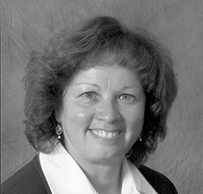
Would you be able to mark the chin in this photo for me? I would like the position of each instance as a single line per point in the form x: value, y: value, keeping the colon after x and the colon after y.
x: 106, y: 157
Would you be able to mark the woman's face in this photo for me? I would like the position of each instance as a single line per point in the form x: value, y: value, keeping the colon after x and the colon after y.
x: 102, y: 114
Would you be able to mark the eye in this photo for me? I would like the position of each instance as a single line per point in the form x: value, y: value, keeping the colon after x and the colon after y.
x: 89, y: 96
x: 127, y: 98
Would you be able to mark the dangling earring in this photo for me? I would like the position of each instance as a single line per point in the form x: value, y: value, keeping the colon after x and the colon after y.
x: 140, y: 139
x: 59, y: 131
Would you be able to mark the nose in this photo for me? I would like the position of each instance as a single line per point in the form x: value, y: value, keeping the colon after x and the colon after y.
x: 108, y: 112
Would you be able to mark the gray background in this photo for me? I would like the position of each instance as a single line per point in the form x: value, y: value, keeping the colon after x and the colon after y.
x: 28, y: 24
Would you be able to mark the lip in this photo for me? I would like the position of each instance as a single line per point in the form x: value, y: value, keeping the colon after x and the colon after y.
x: 105, y: 135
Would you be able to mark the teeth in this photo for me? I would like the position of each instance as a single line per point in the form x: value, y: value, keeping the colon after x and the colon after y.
x: 105, y: 134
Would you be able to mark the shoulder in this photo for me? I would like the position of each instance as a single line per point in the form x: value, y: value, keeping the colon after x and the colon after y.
x: 160, y: 182
x: 26, y: 180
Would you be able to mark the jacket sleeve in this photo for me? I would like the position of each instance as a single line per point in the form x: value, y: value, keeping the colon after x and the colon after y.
x: 159, y: 182
x: 25, y: 181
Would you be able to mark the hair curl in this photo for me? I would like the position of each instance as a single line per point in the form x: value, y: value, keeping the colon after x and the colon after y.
x: 48, y: 74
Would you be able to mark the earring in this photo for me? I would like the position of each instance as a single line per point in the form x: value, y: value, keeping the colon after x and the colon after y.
x: 140, y: 139
x: 59, y: 131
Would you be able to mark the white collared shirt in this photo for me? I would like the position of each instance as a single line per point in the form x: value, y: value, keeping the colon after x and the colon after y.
x: 64, y: 176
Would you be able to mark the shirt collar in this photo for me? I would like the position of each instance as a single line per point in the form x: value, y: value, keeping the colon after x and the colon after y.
x: 64, y: 175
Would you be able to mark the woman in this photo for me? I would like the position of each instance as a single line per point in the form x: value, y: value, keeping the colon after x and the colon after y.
x: 96, y: 105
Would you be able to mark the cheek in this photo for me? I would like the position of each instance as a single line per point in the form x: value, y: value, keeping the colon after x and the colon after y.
x: 135, y: 124
x: 135, y: 119
x: 78, y: 117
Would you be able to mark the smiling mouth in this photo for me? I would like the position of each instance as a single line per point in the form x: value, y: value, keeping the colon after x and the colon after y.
x: 105, y: 134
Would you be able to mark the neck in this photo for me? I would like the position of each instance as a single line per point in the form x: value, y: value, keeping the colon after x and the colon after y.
x: 105, y: 177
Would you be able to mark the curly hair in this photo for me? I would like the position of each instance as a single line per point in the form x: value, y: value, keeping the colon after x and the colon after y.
x: 48, y: 73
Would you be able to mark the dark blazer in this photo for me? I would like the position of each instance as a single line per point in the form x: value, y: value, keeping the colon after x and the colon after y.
x: 31, y: 180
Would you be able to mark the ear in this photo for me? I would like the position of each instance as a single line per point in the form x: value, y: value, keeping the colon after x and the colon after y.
x: 58, y: 116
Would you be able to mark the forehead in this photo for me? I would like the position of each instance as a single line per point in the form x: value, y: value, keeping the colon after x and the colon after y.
x: 107, y: 75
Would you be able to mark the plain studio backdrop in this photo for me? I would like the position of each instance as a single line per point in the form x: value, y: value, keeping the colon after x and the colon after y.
x: 28, y: 24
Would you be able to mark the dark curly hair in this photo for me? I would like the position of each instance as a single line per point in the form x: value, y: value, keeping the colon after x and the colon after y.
x: 48, y: 74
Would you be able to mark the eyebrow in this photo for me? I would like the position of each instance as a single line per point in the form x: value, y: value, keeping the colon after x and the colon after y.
x: 86, y: 83
x: 134, y: 86
x: 95, y: 85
